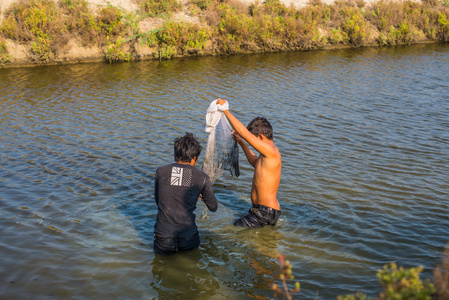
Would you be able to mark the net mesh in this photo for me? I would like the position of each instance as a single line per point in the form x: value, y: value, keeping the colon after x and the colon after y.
x: 222, y: 152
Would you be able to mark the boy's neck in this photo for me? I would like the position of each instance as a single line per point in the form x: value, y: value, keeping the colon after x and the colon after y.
x: 192, y: 162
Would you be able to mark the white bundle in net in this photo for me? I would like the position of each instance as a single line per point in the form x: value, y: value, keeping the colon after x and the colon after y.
x: 222, y: 152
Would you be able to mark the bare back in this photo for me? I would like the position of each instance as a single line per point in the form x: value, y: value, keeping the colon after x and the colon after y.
x: 266, y: 179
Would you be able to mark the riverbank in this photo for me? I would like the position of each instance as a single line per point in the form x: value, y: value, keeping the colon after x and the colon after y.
x: 37, y: 32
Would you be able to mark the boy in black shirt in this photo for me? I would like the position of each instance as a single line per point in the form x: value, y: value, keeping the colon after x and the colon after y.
x: 176, y: 191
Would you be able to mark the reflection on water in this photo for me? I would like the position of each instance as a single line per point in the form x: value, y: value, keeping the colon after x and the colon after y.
x: 365, y: 145
x: 180, y: 275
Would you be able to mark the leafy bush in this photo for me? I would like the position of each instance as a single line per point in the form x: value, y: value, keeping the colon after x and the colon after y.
x: 25, y: 20
x: 114, y: 52
x: 80, y: 21
x: 397, y: 283
x: 443, y: 32
x: 336, y: 36
x: 234, y: 28
x: 35, y: 21
x: 385, y: 13
x: 354, y: 26
x: 356, y: 296
x: 166, y: 52
x: 110, y: 21
x: 47, y: 27
x: 203, y: 4
x: 158, y: 7
x: 178, y: 37
x: 4, y: 56
x: 400, y: 283
x: 41, y: 47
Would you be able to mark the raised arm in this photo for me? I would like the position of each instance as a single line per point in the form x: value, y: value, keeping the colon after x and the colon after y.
x: 258, y: 143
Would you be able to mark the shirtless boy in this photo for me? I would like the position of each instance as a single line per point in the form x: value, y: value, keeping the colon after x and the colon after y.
x: 267, y: 169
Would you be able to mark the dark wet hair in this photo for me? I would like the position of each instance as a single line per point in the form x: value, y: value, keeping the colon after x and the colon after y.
x: 261, y: 125
x: 187, y: 147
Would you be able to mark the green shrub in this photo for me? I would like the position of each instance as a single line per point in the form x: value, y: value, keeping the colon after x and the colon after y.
x: 397, y: 283
x: 385, y: 13
x: 80, y: 21
x: 41, y: 47
x: 25, y: 21
x: 203, y: 4
x: 229, y: 44
x: 318, y: 13
x: 400, y: 283
x: 9, y: 27
x: 158, y: 7
x: 166, y: 52
x: 274, y: 8
x: 4, y: 56
x: 109, y: 21
x: 356, y: 296
x: 336, y: 36
x: 431, y: 18
x: 443, y: 31
x: 36, y: 21
x: 149, y: 38
x: 354, y: 26
x: 404, y: 33
x: 47, y: 27
x: 195, y: 38
x: 178, y: 37
x: 114, y: 52
x: 234, y: 28
x: 309, y: 20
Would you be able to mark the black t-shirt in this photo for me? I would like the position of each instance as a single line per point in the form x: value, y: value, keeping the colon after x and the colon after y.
x: 176, y: 191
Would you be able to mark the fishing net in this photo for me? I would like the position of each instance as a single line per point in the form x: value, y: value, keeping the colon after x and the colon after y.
x: 222, y: 152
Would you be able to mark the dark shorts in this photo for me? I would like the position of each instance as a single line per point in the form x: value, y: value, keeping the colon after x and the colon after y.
x: 180, y: 244
x: 259, y: 216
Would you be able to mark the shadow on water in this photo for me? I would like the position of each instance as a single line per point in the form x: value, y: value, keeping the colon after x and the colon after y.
x: 238, y: 265
x: 183, y: 275
x: 141, y: 211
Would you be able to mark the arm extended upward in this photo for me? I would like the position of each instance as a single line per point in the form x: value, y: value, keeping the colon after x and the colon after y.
x: 267, y: 166
x: 262, y: 147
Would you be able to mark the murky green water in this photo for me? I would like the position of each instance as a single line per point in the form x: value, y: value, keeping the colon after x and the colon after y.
x: 364, y: 136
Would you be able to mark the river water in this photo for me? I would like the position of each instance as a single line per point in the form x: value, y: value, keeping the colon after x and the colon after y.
x: 364, y: 136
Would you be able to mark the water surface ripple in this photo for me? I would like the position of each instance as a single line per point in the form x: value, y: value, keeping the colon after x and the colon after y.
x: 364, y: 136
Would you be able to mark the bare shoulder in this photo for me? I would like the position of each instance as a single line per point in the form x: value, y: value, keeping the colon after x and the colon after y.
x: 272, y: 158
x: 274, y: 152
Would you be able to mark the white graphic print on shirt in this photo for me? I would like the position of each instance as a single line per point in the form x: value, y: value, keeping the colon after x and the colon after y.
x: 180, y: 176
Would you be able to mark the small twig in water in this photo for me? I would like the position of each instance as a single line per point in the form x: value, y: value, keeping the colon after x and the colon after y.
x: 286, y: 269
